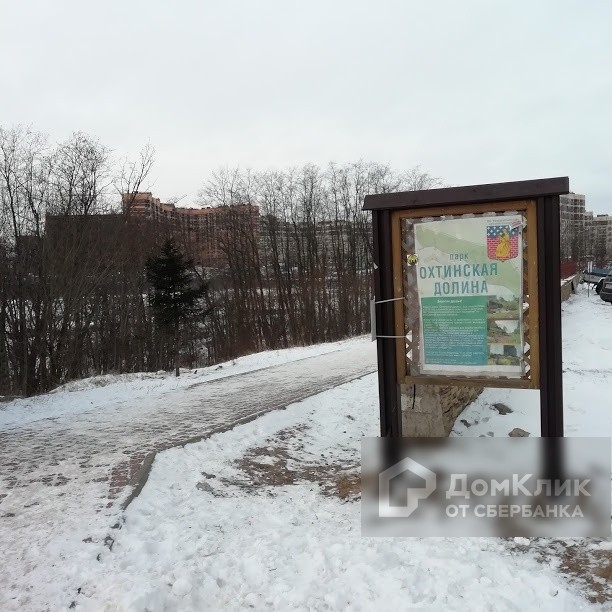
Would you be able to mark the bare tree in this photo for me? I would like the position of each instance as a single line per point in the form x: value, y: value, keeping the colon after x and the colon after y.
x: 295, y: 270
x: 81, y: 176
x: 309, y: 278
x: 133, y: 174
x: 22, y: 196
x: 71, y: 281
x: 417, y: 179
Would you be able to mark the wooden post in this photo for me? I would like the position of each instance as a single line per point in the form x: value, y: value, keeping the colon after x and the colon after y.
x: 390, y: 414
x: 551, y: 383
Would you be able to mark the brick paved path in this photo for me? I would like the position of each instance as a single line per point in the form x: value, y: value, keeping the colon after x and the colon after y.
x: 62, y: 480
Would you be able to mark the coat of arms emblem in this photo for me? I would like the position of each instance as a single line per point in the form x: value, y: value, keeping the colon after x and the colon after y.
x: 502, y: 241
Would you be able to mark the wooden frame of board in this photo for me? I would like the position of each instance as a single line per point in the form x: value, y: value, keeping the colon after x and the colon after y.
x: 538, y: 202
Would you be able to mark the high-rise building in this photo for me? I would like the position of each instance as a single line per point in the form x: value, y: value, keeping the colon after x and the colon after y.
x: 201, y: 230
x: 602, y: 239
x: 575, y: 227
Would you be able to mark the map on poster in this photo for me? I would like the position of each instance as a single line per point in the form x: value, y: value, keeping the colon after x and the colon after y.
x: 470, y: 285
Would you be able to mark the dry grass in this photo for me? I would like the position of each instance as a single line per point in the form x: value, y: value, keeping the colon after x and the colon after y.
x: 588, y: 569
x: 348, y: 486
x: 592, y: 570
x: 280, y: 463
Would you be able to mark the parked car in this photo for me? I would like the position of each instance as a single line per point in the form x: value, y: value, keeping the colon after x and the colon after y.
x: 595, y: 275
x: 606, y: 289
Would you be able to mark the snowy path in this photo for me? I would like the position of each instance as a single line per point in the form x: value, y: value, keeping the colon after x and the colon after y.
x: 63, y: 478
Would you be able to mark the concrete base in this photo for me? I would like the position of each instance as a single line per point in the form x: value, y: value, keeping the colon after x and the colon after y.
x: 430, y: 411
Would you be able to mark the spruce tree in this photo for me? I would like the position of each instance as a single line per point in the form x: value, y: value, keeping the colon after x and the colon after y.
x: 174, y: 295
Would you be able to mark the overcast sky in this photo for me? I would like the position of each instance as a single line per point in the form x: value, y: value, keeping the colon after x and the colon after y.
x: 474, y: 91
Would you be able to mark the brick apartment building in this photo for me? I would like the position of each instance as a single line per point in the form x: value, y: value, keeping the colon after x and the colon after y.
x: 201, y: 230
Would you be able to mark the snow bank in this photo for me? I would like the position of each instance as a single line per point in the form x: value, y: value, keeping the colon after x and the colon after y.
x: 99, y: 392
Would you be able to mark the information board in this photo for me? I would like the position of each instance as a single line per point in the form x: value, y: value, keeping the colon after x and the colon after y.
x: 470, y: 291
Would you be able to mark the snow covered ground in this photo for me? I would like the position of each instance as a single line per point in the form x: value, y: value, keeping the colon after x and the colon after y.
x: 266, y: 516
x: 587, y: 380
x: 203, y: 535
x: 68, y: 460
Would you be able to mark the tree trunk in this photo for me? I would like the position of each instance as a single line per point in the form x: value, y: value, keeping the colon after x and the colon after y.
x: 177, y: 370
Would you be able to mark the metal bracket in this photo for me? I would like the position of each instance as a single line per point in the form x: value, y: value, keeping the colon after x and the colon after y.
x: 373, y: 303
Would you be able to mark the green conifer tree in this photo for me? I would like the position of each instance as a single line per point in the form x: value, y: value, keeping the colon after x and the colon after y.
x: 175, y: 295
